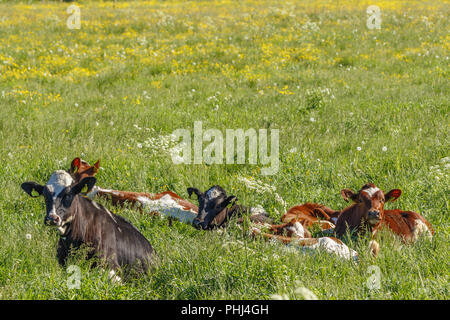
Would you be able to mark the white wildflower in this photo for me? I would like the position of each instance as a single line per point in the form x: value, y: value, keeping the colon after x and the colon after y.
x: 261, y: 187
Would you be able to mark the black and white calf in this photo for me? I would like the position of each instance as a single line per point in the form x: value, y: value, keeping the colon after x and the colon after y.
x: 83, y: 221
x: 215, y: 209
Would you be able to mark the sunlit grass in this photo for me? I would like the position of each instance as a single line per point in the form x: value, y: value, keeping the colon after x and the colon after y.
x: 352, y: 105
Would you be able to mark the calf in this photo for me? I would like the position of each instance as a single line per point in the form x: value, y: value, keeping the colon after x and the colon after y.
x: 408, y: 225
x: 328, y: 244
x: 368, y: 210
x: 298, y: 219
x: 366, y: 213
x: 167, y: 203
x: 80, y: 169
x: 216, y: 208
x: 294, y: 230
x: 310, y: 214
x: 81, y: 221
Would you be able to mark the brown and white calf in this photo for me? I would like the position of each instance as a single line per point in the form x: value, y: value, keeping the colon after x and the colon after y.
x: 81, y: 221
x: 330, y: 245
x: 166, y: 203
x: 310, y: 214
x: 294, y: 230
x: 368, y: 211
x: 298, y: 219
x: 409, y: 225
x: 80, y: 169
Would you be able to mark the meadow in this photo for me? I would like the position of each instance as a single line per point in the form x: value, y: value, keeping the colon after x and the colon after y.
x: 352, y: 105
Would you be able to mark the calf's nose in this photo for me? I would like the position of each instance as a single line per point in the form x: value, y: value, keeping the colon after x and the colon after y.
x: 374, y: 214
x: 52, y: 220
x: 196, y: 223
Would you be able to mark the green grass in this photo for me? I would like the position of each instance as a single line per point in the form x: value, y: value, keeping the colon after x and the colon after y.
x: 249, y: 56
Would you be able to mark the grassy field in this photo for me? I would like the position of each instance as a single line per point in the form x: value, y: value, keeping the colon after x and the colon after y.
x: 352, y: 104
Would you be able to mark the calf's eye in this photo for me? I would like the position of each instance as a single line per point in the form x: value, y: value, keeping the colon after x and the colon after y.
x: 67, y: 200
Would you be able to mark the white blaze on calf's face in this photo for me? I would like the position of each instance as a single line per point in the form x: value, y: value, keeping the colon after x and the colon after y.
x: 58, y: 182
x: 212, y: 193
x: 371, y: 191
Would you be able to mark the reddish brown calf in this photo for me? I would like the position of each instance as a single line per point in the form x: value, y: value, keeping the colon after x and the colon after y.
x: 408, y: 225
x: 307, y: 215
x: 368, y: 210
x: 310, y: 214
x: 80, y: 169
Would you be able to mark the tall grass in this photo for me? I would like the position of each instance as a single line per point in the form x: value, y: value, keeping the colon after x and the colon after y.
x: 352, y: 105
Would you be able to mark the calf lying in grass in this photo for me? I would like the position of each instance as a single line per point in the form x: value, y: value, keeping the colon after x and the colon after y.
x: 298, y: 219
x: 81, y: 221
x: 368, y: 210
x: 367, y: 213
x: 409, y: 225
x: 167, y: 203
x: 216, y: 209
x: 312, y: 214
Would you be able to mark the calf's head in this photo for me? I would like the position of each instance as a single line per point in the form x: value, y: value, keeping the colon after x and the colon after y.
x: 370, y: 201
x: 80, y: 169
x: 210, y: 204
x: 59, y: 193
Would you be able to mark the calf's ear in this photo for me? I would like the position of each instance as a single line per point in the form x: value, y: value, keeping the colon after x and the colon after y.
x: 229, y: 201
x: 194, y: 190
x: 33, y: 189
x: 392, y: 195
x: 75, y: 165
x: 83, y: 186
x: 349, y: 194
x: 96, y: 166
